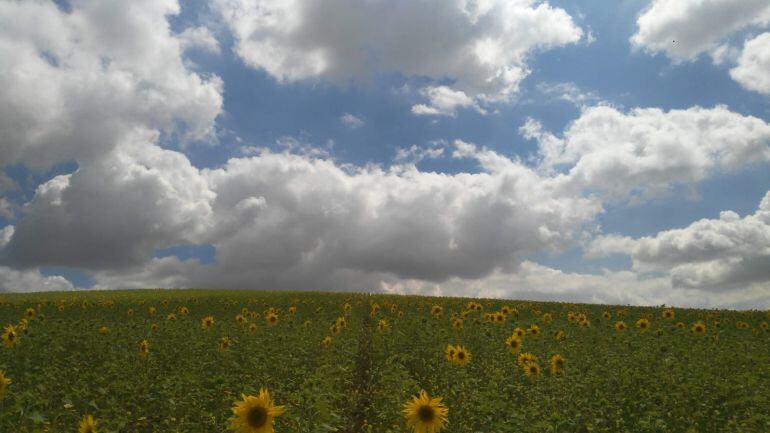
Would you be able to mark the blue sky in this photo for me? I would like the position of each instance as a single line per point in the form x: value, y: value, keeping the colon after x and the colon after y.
x: 598, y: 54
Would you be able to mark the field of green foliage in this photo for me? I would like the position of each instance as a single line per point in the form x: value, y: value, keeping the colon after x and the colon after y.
x: 150, y: 361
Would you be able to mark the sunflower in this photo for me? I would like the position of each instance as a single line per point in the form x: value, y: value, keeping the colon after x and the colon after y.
x: 513, y: 343
x: 620, y: 326
x: 698, y: 327
x: 10, y: 336
x: 532, y: 370
x: 519, y: 332
x: 437, y: 311
x: 334, y: 329
x: 668, y: 314
x: 526, y: 358
x: 253, y: 328
x: 347, y: 308
x: 171, y: 317
x: 154, y: 327
x: 244, y: 310
x: 255, y: 414
x: 341, y: 322
x: 240, y: 319
x: 557, y: 365
x: 87, y: 425
x: 400, y: 314
x: 292, y: 310
x: 450, y: 352
x: 571, y: 316
x: 763, y: 325
x: 307, y: 323
x: 643, y: 324
x: 207, y: 322
x: 271, y: 318
x: 382, y: 325
x: 4, y: 382
x: 104, y: 330
x: 534, y: 330
x: 457, y: 323
x: 30, y: 313
x: 22, y: 324
x: 505, y: 310
x: 559, y: 335
x: 680, y: 325
x: 184, y: 311
x: 327, y: 341
x: 130, y: 312
x: 462, y: 356
x: 224, y: 343
x: 547, y: 317
x: 424, y: 414
x: 144, y: 349
x: 606, y: 315
x: 499, y: 317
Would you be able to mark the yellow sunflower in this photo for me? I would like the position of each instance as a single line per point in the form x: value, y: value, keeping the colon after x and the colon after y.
x: 207, y: 322
x: 698, y: 327
x: 620, y: 326
x: 104, y: 330
x: 519, y: 332
x: 534, y: 330
x: 144, y: 349
x: 606, y: 315
x: 763, y: 325
x: 10, y: 336
x: 426, y: 415
x: 224, y: 343
x: 292, y: 310
x: 30, y: 313
x: 152, y: 311
x: 437, y: 310
x: 255, y: 414
x: 462, y: 355
x: 4, y: 382
x: 382, y: 325
x: 347, y: 308
x: 560, y: 336
x: 532, y: 370
x: 171, y: 317
x: 130, y: 312
x: 557, y: 365
x: 334, y: 329
x: 184, y: 311
x: 154, y: 327
x: 457, y: 323
x: 526, y: 358
x: 668, y: 314
x: 643, y: 324
x: 87, y: 425
x: 450, y: 352
x: 327, y: 341
x: 240, y: 319
x: 680, y: 325
x: 514, y: 344
x: 271, y: 318
x: 253, y: 328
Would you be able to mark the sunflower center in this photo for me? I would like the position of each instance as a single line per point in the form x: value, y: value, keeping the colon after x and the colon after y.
x: 426, y: 414
x: 257, y: 417
x: 11, y: 336
x: 461, y: 355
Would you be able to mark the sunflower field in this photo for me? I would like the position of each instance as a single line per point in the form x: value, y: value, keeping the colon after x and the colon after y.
x: 206, y: 361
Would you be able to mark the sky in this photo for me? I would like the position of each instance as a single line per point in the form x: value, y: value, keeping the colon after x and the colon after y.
x: 579, y: 151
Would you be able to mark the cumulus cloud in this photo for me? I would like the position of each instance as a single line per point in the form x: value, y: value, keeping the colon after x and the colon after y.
x: 481, y: 47
x: 709, y: 254
x: 683, y: 29
x: 292, y: 221
x: 12, y: 280
x: 74, y: 83
x: 199, y: 38
x: 753, y: 65
x: 646, y: 151
x: 351, y: 121
x: 443, y: 101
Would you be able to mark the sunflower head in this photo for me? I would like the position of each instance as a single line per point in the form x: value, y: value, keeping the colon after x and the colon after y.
x: 144, y: 348
x: 224, y: 343
x: 184, y: 311
x: 171, y: 317
x: 424, y: 414
x: 519, y: 332
x: 643, y: 324
x: 462, y: 355
x: 532, y: 370
x: 680, y: 325
x: 526, y: 358
x: 513, y: 343
x: 207, y: 322
x: 30, y: 313
x: 559, y: 336
x: 698, y: 327
x: 557, y: 365
x: 534, y: 330
x: 271, y: 318
x: 763, y: 325
x: 327, y: 341
x: 87, y: 425
x: 382, y: 325
x: 4, y: 382
x: 620, y: 326
x: 606, y: 315
x: 154, y: 327
x: 457, y: 323
x: 10, y: 336
x: 292, y: 310
x: 255, y: 414
x: 104, y: 330
x: 240, y: 319
x: 669, y: 314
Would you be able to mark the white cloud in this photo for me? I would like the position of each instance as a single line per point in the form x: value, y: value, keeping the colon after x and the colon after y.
x: 443, y: 101
x: 753, y: 66
x: 482, y: 47
x: 683, y: 29
x: 199, y: 38
x: 351, y: 121
x: 415, y: 153
x: 75, y: 83
x: 709, y: 254
x: 12, y: 280
x: 647, y: 151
